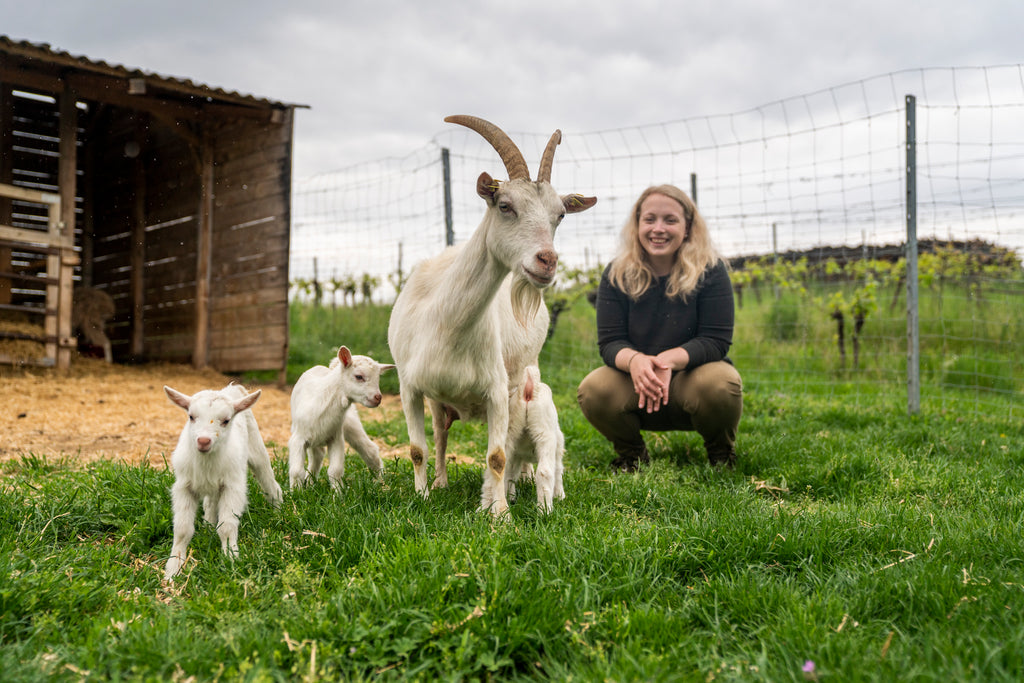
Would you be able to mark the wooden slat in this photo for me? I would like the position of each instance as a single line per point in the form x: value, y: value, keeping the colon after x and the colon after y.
x: 239, y: 359
x: 249, y: 148
x: 42, y: 361
x: 15, y: 192
x: 258, y: 238
x: 273, y: 206
x: 34, y: 248
x: 251, y: 192
x: 232, y: 320
x: 20, y: 235
x: 40, y: 279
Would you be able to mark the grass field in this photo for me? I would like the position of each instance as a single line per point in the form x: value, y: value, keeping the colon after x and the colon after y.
x: 851, y: 543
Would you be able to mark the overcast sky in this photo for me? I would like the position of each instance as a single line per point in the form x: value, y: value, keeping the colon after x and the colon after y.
x: 381, y: 75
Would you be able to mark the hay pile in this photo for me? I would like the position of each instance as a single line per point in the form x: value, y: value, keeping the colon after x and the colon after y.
x: 14, y: 347
x: 97, y: 411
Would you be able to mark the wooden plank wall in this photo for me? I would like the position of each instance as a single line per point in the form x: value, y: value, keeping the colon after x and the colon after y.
x: 162, y: 176
x: 252, y: 209
x: 140, y: 192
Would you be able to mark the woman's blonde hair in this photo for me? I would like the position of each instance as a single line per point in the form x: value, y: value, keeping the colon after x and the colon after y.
x: 631, y: 271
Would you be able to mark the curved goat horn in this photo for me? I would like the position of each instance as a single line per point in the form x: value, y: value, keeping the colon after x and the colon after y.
x: 510, y: 155
x: 548, y: 160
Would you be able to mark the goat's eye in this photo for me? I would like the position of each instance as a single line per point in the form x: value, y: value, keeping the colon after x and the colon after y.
x: 191, y: 418
x: 360, y: 378
x: 224, y: 423
x: 505, y: 207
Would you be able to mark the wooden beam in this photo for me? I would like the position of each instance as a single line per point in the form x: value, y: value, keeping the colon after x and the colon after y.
x: 11, y: 234
x: 28, y: 195
x: 137, y: 251
x: 114, y: 85
x: 204, y: 255
x: 66, y: 181
x: 86, y: 191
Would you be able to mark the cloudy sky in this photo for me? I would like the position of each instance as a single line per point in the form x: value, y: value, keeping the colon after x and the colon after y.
x: 380, y: 76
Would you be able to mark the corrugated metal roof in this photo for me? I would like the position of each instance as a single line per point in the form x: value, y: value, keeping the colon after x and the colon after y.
x: 47, y: 54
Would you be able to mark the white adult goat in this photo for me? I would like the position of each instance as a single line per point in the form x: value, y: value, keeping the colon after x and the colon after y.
x: 324, y: 417
x: 219, y: 442
x: 473, y: 316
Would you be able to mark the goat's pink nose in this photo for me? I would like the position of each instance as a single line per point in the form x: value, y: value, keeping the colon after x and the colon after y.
x: 547, y: 259
x: 203, y: 443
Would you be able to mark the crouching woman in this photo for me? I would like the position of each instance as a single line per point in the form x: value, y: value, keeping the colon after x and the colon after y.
x: 665, y: 318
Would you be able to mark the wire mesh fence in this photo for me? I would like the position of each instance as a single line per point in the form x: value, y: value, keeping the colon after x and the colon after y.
x: 807, y: 198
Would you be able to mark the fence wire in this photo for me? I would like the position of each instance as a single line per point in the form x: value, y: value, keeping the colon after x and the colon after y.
x: 820, y: 177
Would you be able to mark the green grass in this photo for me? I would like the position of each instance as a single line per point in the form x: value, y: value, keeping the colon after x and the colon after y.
x: 316, y: 333
x: 879, y: 546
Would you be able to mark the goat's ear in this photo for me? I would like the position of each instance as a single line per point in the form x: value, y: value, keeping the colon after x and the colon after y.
x: 345, y: 356
x: 178, y: 398
x: 247, y: 401
x: 575, y: 203
x: 386, y: 367
x: 486, y: 187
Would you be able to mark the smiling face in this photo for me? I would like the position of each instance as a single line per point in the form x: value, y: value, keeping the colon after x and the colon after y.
x: 661, y: 231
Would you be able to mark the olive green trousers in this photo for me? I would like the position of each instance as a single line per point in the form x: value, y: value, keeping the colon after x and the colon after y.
x: 707, y: 399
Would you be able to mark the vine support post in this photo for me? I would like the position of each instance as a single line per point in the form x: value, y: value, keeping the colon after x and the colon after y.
x: 913, y: 331
x: 446, y: 165
x: 775, y: 259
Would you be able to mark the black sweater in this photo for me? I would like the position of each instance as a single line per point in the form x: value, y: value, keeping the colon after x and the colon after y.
x: 702, y: 325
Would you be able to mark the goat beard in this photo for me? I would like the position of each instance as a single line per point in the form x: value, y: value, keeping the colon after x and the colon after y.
x: 526, y: 300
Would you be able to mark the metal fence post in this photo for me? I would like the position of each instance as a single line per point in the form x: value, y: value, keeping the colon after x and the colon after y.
x: 449, y: 231
x: 913, y: 332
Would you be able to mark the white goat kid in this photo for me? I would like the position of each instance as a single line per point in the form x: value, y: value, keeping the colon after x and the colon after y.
x: 323, y: 417
x: 534, y: 438
x: 219, y: 442
x: 472, y: 317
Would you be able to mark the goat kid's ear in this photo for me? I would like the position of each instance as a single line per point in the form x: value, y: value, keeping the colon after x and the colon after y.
x: 486, y: 187
x: 247, y: 401
x: 178, y: 398
x: 386, y: 367
x: 345, y: 356
x: 576, y: 203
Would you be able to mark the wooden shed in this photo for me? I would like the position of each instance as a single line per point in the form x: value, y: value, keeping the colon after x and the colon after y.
x: 172, y: 196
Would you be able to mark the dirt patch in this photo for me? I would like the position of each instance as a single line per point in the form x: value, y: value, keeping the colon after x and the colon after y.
x: 97, y: 411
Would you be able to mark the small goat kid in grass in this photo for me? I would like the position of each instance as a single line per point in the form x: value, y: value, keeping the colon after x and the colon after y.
x: 220, y: 441
x: 534, y: 438
x: 473, y: 317
x: 323, y: 417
